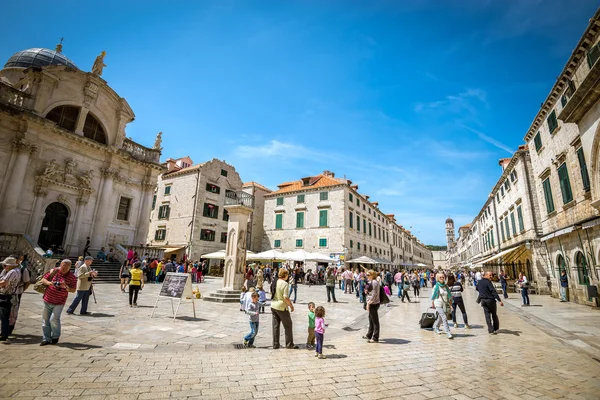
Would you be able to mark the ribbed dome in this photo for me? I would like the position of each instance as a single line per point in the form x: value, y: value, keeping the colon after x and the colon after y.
x: 449, y: 221
x: 38, y: 58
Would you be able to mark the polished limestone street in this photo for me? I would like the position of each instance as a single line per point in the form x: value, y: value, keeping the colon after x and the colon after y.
x: 549, y: 350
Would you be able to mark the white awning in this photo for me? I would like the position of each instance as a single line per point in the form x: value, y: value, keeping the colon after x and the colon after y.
x: 591, y: 224
x: 558, y: 233
x: 362, y: 260
x: 220, y: 255
x: 501, y: 254
x: 173, y: 249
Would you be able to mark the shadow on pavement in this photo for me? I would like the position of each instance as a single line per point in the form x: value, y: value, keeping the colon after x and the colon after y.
x: 394, y: 341
x: 78, y: 346
x: 463, y: 335
x: 24, y: 339
x: 185, y: 318
x: 509, y: 332
x: 96, y: 315
x: 476, y: 326
x: 336, y: 355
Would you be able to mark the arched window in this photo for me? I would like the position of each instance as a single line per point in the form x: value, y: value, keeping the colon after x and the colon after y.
x: 561, y: 265
x: 582, y: 271
x: 93, y: 130
x: 64, y: 116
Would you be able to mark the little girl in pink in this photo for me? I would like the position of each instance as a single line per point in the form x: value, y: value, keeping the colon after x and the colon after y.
x: 320, y: 330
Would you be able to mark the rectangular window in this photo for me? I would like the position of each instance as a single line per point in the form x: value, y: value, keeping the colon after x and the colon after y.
x: 322, y: 242
x: 298, y: 242
x: 492, y: 236
x: 502, y: 190
x: 277, y: 243
x: 300, y: 219
x: 358, y: 223
x: 213, y: 188
x: 369, y: 229
x: 160, y: 234
x: 322, y: 218
x: 552, y: 122
x: 223, y: 237
x: 512, y: 222
x: 502, y: 230
x: 593, y: 55
x: 164, y: 211
x: 583, y: 169
x: 357, y: 202
x: 350, y: 197
x: 299, y: 199
x: 507, y: 228
x: 279, y: 221
x: 225, y: 215
x: 324, y: 195
x: 537, y: 140
x: 520, y: 218
x: 548, y: 195
x: 210, y: 210
x: 358, y: 245
x: 223, y: 172
x: 207, y: 235
x: 167, y: 190
x: 153, y: 202
x: 351, y: 243
x: 563, y: 100
x: 364, y: 225
x: 351, y: 219
x: 280, y: 201
x: 565, y: 184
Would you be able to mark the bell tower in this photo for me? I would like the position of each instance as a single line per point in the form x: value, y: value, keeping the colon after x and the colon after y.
x: 450, y: 233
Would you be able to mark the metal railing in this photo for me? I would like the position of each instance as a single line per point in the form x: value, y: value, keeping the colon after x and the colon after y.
x: 239, y: 198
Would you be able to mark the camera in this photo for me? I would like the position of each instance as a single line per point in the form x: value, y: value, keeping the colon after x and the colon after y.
x: 57, y: 284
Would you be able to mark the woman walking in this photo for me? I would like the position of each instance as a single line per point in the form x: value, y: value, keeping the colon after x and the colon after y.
x: 330, y: 285
x: 135, y: 284
x: 279, y: 309
x: 441, y: 300
x: 416, y: 285
x: 373, y: 301
x: 524, y: 284
x: 405, y: 287
x: 456, y: 290
x: 124, y: 274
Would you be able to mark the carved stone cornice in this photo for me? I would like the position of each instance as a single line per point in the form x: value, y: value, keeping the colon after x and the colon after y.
x: 43, y: 181
x: 148, y: 186
x: 21, y: 145
x: 40, y: 191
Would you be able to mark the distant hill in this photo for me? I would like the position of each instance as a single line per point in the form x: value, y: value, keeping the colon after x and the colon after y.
x: 437, y: 248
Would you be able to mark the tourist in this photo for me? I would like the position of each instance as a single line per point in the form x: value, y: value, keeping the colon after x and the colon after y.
x: 124, y: 274
x: 260, y: 277
x: 389, y: 279
x: 477, y: 278
x: 262, y: 299
x: 405, y: 283
x: 279, y: 309
x: 111, y: 255
x: 159, y: 272
x: 294, y: 279
x: 330, y: 285
x: 503, y: 281
x: 10, y: 278
x: 416, y: 285
x: 398, y: 280
x: 524, y: 285
x: 362, y: 279
x: 101, y: 255
x: 310, y: 340
x: 388, y: 293
x: 441, y: 301
x: 59, y: 282
x: 267, y: 274
x: 488, y: 297
x: 564, y: 284
x: 348, y: 281
x: 86, y: 248
x: 248, y: 297
x: 320, y: 330
x: 252, y: 311
x: 243, y: 298
x: 373, y: 301
x: 85, y: 275
x: 456, y: 289
x: 136, y: 283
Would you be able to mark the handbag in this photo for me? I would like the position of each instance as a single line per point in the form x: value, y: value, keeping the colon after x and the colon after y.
x: 427, y: 319
x: 405, y: 286
x: 39, y: 286
x: 383, y: 299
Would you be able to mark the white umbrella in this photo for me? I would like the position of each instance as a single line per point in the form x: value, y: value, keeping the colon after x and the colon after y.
x: 220, y: 255
x: 320, y: 258
x: 269, y: 255
x: 362, y: 260
x: 298, y: 255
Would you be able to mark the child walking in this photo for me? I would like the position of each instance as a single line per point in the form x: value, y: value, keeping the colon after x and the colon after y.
x: 252, y: 311
x: 320, y: 330
x: 310, y: 341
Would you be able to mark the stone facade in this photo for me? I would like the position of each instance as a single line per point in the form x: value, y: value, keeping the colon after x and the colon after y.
x: 327, y: 215
x: 256, y: 231
x: 69, y: 170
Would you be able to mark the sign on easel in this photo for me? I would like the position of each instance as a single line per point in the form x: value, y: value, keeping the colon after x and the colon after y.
x: 176, y: 286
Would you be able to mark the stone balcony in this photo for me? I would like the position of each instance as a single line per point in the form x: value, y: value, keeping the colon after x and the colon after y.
x: 13, y: 97
x: 239, y: 198
x: 141, y: 153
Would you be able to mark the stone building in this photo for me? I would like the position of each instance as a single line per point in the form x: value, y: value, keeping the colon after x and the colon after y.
x: 327, y: 214
x: 69, y: 171
x: 256, y: 231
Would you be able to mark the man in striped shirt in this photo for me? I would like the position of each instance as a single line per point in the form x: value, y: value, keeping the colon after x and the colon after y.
x: 59, y: 282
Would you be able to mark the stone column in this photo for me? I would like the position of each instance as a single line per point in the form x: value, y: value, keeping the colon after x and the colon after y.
x: 23, y: 150
x: 104, y: 215
x: 235, y: 258
x: 143, y: 223
x: 37, y: 215
x: 82, y: 202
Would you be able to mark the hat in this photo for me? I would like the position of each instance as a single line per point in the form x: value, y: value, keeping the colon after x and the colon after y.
x: 10, y: 261
x: 88, y: 258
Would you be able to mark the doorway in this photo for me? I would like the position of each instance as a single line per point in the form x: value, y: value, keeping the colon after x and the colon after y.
x: 54, y: 226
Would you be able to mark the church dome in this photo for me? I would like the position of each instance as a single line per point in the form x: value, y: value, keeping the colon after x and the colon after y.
x: 38, y: 58
x: 449, y: 221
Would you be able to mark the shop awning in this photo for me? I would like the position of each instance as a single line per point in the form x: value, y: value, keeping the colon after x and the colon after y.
x: 362, y: 260
x: 173, y: 249
x: 591, y: 224
x: 558, y: 233
x: 501, y: 254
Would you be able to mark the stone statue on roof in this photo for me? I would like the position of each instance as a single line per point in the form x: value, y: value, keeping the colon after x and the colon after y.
x: 99, y: 64
x: 158, y: 142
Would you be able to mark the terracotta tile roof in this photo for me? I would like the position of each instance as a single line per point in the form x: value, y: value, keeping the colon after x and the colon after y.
x: 183, y: 170
x: 258, y: 185
x: 313, y: 182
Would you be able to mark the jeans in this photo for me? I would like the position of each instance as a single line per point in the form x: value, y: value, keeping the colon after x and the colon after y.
x: 282, y: 317
x: 361, y: 290
x: 458, y: 302
x: 348, y: 286
x: 373, y: 332
x: 5, y: 319
x: 399, y: 289
x: 82, y: 296
x: 51, y: 321
x: 525, y: 295
x: 319, y: 348
x: 504, y: 286
x: 133, y: 293
x: 491, y: 316
x: 442, y: 319
x: 253, y: 332
x: 422, y: 282
x: 343, y: 285
x: 563, y: 293
x: 416, y: 291
x: 331, y: 293
x: 293, y: 288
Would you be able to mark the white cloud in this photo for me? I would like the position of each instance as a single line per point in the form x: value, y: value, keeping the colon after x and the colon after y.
x: 276, y: 149
x: 455, y: 104
x: 490, y: 140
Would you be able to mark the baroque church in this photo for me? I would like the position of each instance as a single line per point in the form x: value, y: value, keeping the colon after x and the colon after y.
x: 69, y: 172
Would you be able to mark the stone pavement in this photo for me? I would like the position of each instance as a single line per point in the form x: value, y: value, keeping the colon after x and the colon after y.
x: 120, y: 353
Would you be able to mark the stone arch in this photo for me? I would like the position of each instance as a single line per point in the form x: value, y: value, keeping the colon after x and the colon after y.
x: 595, y: 166
x: 230, y: 242
x: 582, y: 266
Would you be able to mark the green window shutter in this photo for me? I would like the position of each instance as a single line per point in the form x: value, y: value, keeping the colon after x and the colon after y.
x: 157, y: 235
x: 324, y: 195
x: 507, y: 228
x: 552, y: 121
x: 300, y: 220
x: 350, y: 197
x: 364, y: 225
x: 548, y: 196
x: 299, y: 199
x: 520, y: 218
x: 168, y: 211
x: 593, y: 55
x: 280, y: 201
x: 537, y: 140
x: 322, y: 242
x: 153, y: 202
x: 351, y: 243
x: 370, y: 229
x: 322, y: 218
x: 279, y: 221
x: 351, y: 219
x: 358, y: 223
x: 585, y: 178
x: 565, y: 184
x: 298, y: 242
x: 277, y: 244
x: 502, y: 230
x: 492, y: 236
x: 167, y: 190
x: 512, y: 222
x: 358, y: 202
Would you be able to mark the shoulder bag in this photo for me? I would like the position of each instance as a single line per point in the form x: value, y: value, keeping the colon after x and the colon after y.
x: 39, y: 286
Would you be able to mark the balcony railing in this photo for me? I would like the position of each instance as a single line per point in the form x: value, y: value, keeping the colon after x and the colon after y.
x: 12, y: 96
x: 239, y: 199
x: 140, y: 152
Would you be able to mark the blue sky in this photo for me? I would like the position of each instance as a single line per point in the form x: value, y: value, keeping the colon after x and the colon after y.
x: 415, y: 101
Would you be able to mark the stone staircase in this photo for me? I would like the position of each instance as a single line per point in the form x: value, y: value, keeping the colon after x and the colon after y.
x: 223, y: 296
x: 108, y: 272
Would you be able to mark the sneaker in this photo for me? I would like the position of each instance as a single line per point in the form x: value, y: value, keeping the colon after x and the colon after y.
x: 69, y: 312
x: 366, y: 337
x: 294, y: 347
x: 3, y: 338
x: 85, y: 313
x: 467, y: 326
x: 322, y: 357
x: 44, y: 343
x: 492, y: 333
x: 245, y: 343
x: 317, y: 355
x: 436, y: 330
x: 251, y: 346
x: 450, y: 336
x: 135, y: 305
x: 54, y: 341
x: 373, y: 341
x: 455, y: 325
